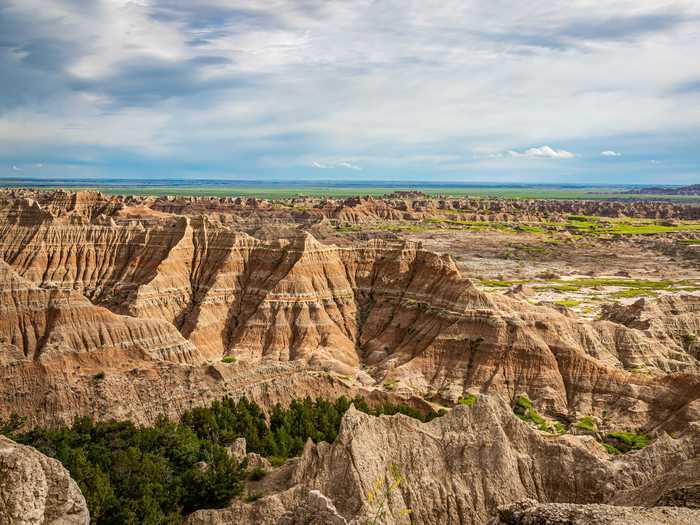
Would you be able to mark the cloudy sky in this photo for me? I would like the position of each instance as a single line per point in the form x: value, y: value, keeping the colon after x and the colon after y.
x: 499, y: 90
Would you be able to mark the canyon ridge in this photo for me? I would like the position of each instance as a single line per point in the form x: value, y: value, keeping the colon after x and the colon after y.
x: 554, y: 344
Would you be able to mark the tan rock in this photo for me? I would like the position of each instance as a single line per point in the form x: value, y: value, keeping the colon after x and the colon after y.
x: 530, y: 512
x: 456, y: 469
x: 36, y: 490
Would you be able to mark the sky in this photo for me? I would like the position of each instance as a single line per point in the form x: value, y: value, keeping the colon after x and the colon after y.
x: 568, y: 91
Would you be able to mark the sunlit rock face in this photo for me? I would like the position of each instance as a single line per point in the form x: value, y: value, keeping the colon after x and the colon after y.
x: 149, y: 302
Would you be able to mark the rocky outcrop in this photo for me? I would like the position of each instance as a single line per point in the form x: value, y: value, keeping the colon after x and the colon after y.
x: 118, y: 308
x: 455, y: 469
x: 37, y: 490
x: 252, y: 211
x: 43, y: 325
x: 673, y: 320
x: 384, y: 313
x: 530, y: 512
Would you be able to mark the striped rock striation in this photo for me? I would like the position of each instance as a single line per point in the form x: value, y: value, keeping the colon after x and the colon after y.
x: 163, y: 298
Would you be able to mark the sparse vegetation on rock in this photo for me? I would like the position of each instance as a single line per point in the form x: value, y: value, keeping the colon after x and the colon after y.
x: 526, y: 411
x: 160, y: 473
x: 626, y: 441
x: 586, y: 423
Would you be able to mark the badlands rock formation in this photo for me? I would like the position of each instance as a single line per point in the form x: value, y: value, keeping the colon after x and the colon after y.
x: 36, y: 490
x: 459, y: 469
x: 189, y: 290
x: 125, y: 307
x: 672, y: 319
x: 353, y: 210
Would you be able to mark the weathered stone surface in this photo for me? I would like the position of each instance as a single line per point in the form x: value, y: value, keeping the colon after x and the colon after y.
x: 316, y: 509
x: 456, y: 469
x: 383, y: 312
x: 530, y: 512
x: 36, y: 490
x: 123, y: 307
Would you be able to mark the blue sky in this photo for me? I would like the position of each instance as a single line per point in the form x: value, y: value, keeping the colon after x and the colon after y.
x: 572, y: 91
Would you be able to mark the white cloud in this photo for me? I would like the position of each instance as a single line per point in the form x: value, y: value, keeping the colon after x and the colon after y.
x: 332, y: 165
x: 610, y: 153
x: 543, y: 152
x: 15, y: 168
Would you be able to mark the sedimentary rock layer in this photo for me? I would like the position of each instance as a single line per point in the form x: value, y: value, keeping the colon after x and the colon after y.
x: 192, y: 289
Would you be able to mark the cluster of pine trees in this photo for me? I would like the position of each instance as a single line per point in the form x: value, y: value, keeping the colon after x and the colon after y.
x: 158, y: 474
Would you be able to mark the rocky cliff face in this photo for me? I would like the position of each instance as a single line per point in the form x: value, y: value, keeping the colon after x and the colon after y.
x: 456, y: 469
x: 36, y: 490
x: 192, y: 289
x: 49, y: 324
x: 675, y: 320
x: 124, y: 307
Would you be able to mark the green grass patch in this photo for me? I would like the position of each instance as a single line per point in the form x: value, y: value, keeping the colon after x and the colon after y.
x: 611, y: 449
x: 586, y: 423
x: 530, y: 229
x: 634, y: 292
x: 525, y: 411
x: 626, y: 441
x: 390, y: 384
x: 559, y: 287
x: 590, y: 282
x: 568, y: 303
x: 632, y: 287
x: 496, y: 283
x: 468, y: 400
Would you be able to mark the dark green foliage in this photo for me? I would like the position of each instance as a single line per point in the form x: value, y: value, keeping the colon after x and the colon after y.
x: 257, y: 474
x: 158, y: 474
x: 288, y: 429
x: 626, y: 441
x: 254, y: 496
x: 141, y: 475
x: 11, y: 424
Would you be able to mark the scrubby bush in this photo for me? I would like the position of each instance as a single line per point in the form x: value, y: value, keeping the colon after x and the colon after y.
x: 257, y: 474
